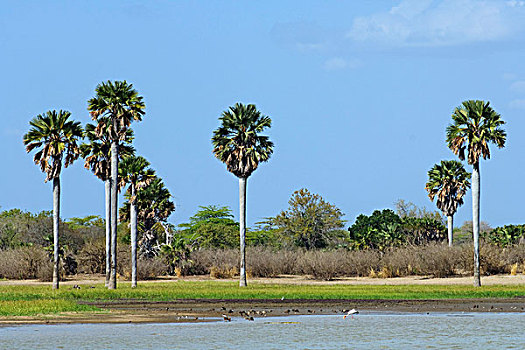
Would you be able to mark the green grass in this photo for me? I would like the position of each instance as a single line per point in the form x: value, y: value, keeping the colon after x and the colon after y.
x: 41, y: 307
x: 33, y: 300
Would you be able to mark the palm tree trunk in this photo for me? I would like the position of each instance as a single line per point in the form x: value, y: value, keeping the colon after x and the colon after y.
x: 56, y: 222
x: 114, y: 214
x: 475, y: 220
x: 133, y: 219
x: 242, y: 229
x: 450, y: 222
x: 107, y: 184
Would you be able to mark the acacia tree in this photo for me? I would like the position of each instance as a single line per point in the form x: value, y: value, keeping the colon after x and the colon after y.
x: 212, y: 227
x: 114, y: 107
x: 474, y: 125
x: 237, y: 143
x: 55, y: 137
x: 97, y: 155
x: 135, y: 171
x: 449, y: 182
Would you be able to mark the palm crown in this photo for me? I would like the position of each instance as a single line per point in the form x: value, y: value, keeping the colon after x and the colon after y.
x: 118, y: 104
x: 449, y: 181
x: 97, y: 152
x: 237, y: 143
x: 153, y: 203
x: 478, y: 124
x: 54, y: 134
x: 135, y: 170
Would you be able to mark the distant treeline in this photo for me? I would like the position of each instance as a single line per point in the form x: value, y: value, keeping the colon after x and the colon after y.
x: 308, y: 238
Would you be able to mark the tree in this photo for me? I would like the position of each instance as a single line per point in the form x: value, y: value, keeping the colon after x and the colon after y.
x: 97, y: 155
x: 474, y: 126
x: 380, y: 230
x: 55, y: 137
x: 134, y: 171
x: 212, y: 227
x: 449, y: 182
x: 310, y: 221
x: 154, y: 206
x: 237, y: 143
x: 114, y: 107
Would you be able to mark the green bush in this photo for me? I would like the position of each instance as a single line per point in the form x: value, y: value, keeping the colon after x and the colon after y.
x: 506, y: 235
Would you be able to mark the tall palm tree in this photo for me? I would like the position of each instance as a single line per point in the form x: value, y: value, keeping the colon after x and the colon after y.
x: 55, y: 137
x: 135, y: 172
x: 474, y: 125
x: 114, y: 107
x: 97, y: 155
x: 449, y: 181
x: 237, y: 143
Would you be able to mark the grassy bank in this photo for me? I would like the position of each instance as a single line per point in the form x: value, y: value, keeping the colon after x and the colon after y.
x: 33, y: 300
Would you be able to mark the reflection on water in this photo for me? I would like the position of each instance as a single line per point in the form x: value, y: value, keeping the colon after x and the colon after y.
x: 366, y: 331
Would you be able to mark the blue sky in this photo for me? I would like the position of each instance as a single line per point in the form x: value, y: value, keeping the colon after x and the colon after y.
x: 360, y: 94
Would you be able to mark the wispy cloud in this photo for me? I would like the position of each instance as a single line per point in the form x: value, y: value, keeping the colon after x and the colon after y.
x: 517, y: 103
x: 515, y: 3
x: 301, y: 35
x: 518, y: 86
x: 339, y: 63
x: 430, y: 23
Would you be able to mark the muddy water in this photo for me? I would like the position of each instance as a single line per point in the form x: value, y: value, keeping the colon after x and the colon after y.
x: 365, y: 331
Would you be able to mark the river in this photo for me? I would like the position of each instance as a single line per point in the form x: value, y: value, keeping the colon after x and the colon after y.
x: 364, y: 331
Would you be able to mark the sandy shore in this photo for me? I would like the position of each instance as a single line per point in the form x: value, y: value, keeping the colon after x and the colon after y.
x: 211, y: 310
x: 417, y: 280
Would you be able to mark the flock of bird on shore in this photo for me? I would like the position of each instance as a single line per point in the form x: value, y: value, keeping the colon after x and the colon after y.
x: 248, y: 315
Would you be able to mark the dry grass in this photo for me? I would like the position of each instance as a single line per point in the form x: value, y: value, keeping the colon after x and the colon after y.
x: 437, y: 260
x: 26, y: 263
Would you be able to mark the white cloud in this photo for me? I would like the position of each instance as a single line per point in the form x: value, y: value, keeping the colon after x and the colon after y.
x: 426, y: 23
x: 518, y: 86
x: 338, y: 63
x: 515, y: 3
x: 517, y: 104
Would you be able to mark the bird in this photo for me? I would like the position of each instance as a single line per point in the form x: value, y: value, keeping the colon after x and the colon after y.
x: 226, y: 318
x: 351, y: 313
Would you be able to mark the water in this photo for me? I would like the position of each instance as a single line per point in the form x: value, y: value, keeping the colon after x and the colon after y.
x: 365, y: 331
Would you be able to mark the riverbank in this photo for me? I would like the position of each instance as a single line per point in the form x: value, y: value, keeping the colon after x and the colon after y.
x: 85, y: 300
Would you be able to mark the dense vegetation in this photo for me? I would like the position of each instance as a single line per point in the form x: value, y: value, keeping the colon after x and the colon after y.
x: 410, y: 241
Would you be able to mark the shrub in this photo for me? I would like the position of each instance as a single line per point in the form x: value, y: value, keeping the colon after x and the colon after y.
x: 220, y: 259
x: 506, y: 235
x: 92, y: 257
x: 264, y: 262
x: 25, y: 263
x: 323, y: 265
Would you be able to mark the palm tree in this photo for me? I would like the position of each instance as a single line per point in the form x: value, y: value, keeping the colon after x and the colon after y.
x: 55, y: 137
x: 153, y: 207
x: 97, y: 155
x: 114, y: 107
x: 237, y: 144
x: 449, y: 181
x: 474, y: 125
x: 134, y: 171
